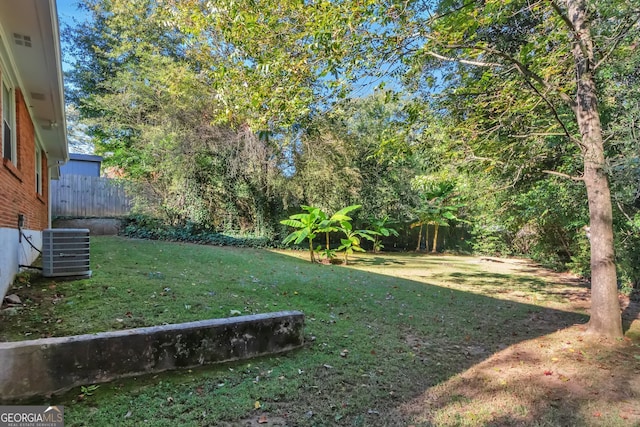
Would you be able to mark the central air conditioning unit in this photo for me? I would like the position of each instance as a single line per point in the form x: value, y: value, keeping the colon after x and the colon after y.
x: 65, y: 252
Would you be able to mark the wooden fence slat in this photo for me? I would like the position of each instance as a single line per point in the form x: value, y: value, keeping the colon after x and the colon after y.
x: 88, y: 196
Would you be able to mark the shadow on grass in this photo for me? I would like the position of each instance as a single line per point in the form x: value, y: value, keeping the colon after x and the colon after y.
x: 558, y: 380
x: 377, y: 260
x: 485, y: 279
x: 574, y: 291
x: 402, y: 338
x: 448, y: 332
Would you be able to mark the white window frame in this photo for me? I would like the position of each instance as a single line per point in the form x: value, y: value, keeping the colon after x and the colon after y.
x: 9, y: 120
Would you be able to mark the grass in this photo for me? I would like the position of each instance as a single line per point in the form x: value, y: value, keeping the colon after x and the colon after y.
x: 393, y: 339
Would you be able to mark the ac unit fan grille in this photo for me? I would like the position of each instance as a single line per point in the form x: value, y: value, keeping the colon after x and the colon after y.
x: 65, y: 252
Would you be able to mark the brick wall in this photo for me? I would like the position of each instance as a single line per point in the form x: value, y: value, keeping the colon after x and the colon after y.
x: 18, y: 183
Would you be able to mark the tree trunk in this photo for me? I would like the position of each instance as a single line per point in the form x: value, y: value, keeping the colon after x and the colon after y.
x: 435, y: 238
x: 426, y: 238
x: 605, y: 308
x: 419, y: 238
x: 313, y: 259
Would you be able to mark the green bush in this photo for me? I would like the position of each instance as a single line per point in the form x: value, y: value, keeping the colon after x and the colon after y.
x: 146, y: 227
x: 493, y: 241
x: 628, y: 263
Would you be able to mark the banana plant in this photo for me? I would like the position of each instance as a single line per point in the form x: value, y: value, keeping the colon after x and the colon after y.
x: 380, y: 226
x: 329, y: 225
x: 438, y: 207
x: 307, y: 225
x: 312, y: 222
x: 351, y: 242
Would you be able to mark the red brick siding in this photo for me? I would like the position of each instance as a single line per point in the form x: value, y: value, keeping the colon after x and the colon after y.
x: 18, y: 183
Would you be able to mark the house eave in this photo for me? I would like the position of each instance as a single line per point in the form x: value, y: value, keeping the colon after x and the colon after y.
x: 29, y: 31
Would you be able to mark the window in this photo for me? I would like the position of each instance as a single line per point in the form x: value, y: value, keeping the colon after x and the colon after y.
x: 8, y: 120
x: 38, y: 170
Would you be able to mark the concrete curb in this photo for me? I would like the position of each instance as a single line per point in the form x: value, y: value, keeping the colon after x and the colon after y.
x: 53, y: 365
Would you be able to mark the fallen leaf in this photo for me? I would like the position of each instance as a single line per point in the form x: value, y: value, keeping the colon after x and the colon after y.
x: 257, y: 405
x: 548, y: 373
x: 235, y: 312
x: 597, y: 414
x: 262, y: 419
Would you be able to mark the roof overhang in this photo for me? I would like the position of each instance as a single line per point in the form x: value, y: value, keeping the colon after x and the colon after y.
x: 29, y: 31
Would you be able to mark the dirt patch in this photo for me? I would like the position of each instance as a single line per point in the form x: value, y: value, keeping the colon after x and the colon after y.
x: 557, y: 379
x: 258, y: 421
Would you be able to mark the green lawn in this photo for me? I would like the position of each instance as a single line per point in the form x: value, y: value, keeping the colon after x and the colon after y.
x: 387, y: 337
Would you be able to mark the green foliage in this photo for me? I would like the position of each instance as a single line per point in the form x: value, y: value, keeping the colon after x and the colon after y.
x: 311, y: 223
x: 316, y: 221
x: 438, y: 205
x: 628, y: 254
x: 352, y: 239
x: 360, y: 151
x: 307, y: 225
x: 88, y: 390
x: 492, y: 241
x: 146, y: 227
x: 381, y: 228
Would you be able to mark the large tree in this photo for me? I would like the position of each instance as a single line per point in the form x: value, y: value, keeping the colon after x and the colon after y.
x: 543, y: 57
x: 156, y: 116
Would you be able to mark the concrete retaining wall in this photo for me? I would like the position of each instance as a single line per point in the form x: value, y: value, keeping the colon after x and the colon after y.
x: 52, y: 365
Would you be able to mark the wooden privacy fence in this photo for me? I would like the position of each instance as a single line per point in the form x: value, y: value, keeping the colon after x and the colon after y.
x: 88, y: 196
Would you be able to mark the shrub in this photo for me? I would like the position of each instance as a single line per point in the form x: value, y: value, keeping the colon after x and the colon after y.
x: 146, y: 227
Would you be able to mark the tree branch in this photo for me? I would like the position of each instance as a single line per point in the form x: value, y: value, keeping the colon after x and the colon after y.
x: 530, y: 75
x: 554, y: 111
x: 464, y: 61
x: 562, y: 16
x: 623, y: 212
x: 618, y: 40
x: 564, y: 175
x: 522, y: 68
x: 539, y: 134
